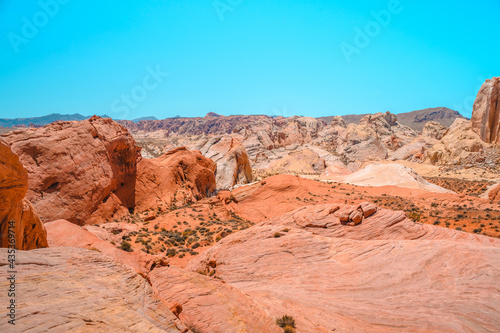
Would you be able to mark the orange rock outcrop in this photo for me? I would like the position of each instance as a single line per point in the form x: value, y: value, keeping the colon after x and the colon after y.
x: 17, y: 216
x: 75, y: 167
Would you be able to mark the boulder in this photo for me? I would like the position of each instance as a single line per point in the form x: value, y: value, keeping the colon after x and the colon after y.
x: 17, y: 216
x: 485, y: 119
x: 176, y: 178
x: 457, y: 143
x: 434, y: 130
x: 76, y: 166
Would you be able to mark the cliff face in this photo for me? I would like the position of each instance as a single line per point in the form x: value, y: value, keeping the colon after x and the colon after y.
x: 485, y: 119
x: 17, y: 216
x: 76, y: 167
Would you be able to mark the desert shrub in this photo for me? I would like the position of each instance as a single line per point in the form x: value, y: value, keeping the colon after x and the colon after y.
x: 277, y: 235
x: 478, y: 230
x: 171, y: 253
x: 285, y: 321
x: 415, y: 216
x: 126, y: 246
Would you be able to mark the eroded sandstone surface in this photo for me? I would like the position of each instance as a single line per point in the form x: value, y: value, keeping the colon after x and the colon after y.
x: 76, y: 290
x: 335, y: 277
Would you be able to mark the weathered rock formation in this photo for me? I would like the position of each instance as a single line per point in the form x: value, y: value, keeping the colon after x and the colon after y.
x: 298, y: 263
x: 300, y: 162
x: 76, y: 167
x: 485, y: 119
x: 458, y: 142
x: 17, y: 216
x: 177, y: 177
x: 233, y: 165
x: 374, y: 138
x: 77, y: 290
x: 434, y: 130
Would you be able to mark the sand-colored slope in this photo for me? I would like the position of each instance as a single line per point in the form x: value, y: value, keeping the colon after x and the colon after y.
x: 390, y: 174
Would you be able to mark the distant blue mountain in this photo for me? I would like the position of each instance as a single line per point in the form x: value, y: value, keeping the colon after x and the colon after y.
x: 143, y: 118
x: 44, y: 120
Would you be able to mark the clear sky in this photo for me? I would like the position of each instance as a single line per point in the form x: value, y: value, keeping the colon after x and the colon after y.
x: 163, y: 58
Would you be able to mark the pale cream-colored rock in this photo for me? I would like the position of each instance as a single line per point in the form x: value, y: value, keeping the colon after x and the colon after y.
x: 374, y: 138
x: 434, y: 130
x: 390, y: 174
x: 415, y: 151
x: 233, y: 165
x: 77, y: 290
x: 301, y: 162
x: 17, y: 216
x: 458, y: 142
x: 485, y: 119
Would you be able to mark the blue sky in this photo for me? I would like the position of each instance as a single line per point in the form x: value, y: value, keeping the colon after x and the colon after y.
x: 282, y: 57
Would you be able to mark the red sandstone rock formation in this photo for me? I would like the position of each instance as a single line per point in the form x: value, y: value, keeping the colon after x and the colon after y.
x: 17, y: 216
x: 485, y: 119
x: 334, y: 277
x: 177, y: 177
x: 75, y: 167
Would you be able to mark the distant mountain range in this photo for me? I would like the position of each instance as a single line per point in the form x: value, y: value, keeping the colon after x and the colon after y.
x: 415, y: 119
x: 40, y: 121
x: 45, y: 120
